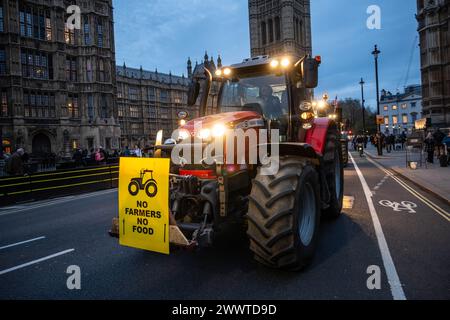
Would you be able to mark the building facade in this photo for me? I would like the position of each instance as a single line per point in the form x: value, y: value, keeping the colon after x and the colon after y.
x: 401, y: 110
x: 434, y: 19
x: 147, y: 102
x: 280, y: 27
x: 57, y: 84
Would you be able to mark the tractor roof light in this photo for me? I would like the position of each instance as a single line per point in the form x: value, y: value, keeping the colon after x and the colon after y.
x: 307, y: 116
x: 227, y: 72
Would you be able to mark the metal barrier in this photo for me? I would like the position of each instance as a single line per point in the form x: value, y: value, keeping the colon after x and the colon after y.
x: 41, y: 186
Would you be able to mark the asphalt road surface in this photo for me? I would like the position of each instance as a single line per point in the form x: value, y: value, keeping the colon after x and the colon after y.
x: 391, y: 226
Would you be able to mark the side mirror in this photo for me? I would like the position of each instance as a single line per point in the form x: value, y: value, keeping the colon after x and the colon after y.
x: 193, y: 92
x: 310, y: 73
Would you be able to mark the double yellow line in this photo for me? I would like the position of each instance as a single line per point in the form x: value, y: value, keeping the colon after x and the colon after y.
x: 444, y: 214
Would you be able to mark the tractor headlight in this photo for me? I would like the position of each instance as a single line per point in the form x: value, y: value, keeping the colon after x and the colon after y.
x: 219, y: 130
x: 183, y: 134
x: 227, y: 71
x: 307, y: 116
x: 285, y: 62
x: 274, y: 63
x: 204, y: 134
x: 306, y: 106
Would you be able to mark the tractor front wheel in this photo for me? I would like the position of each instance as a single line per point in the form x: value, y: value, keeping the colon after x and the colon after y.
x: 284, y: 215
x: 151, y: 189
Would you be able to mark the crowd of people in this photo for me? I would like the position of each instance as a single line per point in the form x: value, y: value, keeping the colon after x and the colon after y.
x: 436, y: 144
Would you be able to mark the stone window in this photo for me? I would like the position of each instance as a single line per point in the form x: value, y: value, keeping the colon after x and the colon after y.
x: 90, y: 105
x: 72, y: 109
x: 394, y: 120
x: 394, y: 107
x: 263, y: 33
x: 2, y: 61
x: 35, y: 23
x: 69, y: 35
x: 39, y: 104
x: 104, y: 107
x: 71, y: 68
x: 36, y: 64
x: 405, y: 118
x: 89, y: 70
x: 1, y: 18
x: 277, y: 29
x: 99, y: 32
x: 271, y: 30
x: 3, y: 103
x: 87, y: 32
x: 134, y: 112
x: 133, y: 93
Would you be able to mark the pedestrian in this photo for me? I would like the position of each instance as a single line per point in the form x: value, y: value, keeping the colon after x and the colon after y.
x: 14, y: 165
x: 78, y: 158
x: 438, y: 137
x: 99, y: 157
x: 126, y: 152
x: 429, y: 145
x: 138, y: 152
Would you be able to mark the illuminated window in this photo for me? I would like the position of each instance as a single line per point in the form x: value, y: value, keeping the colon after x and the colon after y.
x: 394, y: 107
x: 405, y: 118
x: 385, y: 108
x: 72, y: 106
x: 394, y: 120
x: 404, y: 106
x: 69, y: 35
x: 48, y: 28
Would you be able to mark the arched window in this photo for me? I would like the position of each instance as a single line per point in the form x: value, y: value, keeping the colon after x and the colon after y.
x: 277, y: 29
x: 301, y: 32
x: 270, y: 30
x: 263, y: 33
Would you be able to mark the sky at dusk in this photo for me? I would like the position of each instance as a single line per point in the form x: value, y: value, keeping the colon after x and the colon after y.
x: 164, y: 33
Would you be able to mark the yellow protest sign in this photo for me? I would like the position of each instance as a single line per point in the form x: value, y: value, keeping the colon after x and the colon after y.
x: 144, y: 204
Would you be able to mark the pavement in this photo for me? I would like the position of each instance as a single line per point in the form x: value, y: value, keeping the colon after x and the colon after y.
x: 390, y: 226
x: 430, y: 177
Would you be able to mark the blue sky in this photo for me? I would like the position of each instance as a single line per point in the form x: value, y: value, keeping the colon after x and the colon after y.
x: 164, y: 33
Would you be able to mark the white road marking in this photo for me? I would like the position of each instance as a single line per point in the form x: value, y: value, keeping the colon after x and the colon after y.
x: 399, y: 206
x: 36, y: 261
x: 55, y: 202
x: 20, y: 243
x: 444, y: 214
x: 389, y: 266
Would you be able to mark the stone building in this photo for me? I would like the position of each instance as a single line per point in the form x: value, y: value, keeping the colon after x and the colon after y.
x: 433, y: 17
x: 280, y: 27
x: 147, y: 102
x: 57, y: 85
x: 401, y: 110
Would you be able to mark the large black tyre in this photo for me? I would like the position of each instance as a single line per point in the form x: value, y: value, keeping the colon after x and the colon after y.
x: 284, y: 215
x: 334, y: 171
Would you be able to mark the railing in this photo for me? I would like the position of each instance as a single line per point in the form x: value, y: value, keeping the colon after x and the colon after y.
x: 41, y: 186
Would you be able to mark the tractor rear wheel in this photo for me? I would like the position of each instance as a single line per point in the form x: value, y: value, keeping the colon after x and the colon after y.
x: 334, y: 170
x: 284, y: 215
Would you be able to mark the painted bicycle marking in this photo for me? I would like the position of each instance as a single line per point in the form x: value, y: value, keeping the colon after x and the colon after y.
x: 399, y: 206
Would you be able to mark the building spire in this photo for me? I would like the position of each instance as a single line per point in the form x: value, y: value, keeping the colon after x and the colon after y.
x: 219, y: 62
x: 189, y: 67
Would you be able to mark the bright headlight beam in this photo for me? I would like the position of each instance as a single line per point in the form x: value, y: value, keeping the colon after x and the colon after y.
x: 219, y: 130
x: 204, y: 134
x: 218, y: 72
x: 285, y: 62
x: 274, y: 63
x: 227, y: 71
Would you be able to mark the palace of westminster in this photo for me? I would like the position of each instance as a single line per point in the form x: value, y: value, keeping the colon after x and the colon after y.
x: 61, y: 89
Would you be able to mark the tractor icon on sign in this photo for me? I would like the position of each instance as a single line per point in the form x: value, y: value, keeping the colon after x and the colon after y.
x: 138, y: 184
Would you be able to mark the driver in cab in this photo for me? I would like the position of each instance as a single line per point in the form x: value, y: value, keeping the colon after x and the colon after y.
x: 271, y: 104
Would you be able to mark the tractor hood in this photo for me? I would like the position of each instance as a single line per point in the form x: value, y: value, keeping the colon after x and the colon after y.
x: 230, y: 119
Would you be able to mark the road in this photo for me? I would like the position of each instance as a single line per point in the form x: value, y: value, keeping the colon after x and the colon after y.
x: 39, y: 241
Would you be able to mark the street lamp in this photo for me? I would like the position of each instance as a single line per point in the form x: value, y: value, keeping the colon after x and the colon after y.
x: 376, y: 53
x: 363, y: 107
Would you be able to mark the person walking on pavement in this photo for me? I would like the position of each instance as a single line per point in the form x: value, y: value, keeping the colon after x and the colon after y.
x: 126, y: 152
x: 429, y: 145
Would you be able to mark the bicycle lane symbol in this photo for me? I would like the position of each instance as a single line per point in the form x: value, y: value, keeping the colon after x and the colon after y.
x: 399, y: 206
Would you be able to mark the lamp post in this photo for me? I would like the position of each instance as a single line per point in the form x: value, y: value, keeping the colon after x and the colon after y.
x: 376, y: 53
x: 363, y: 107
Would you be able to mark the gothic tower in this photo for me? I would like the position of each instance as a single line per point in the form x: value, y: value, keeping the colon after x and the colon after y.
x: 279, y: 27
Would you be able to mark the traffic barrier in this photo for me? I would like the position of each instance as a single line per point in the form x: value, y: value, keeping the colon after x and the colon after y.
x: 41, y: 186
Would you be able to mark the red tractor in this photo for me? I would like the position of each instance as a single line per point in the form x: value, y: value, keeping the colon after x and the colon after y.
x: 282, y: 209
